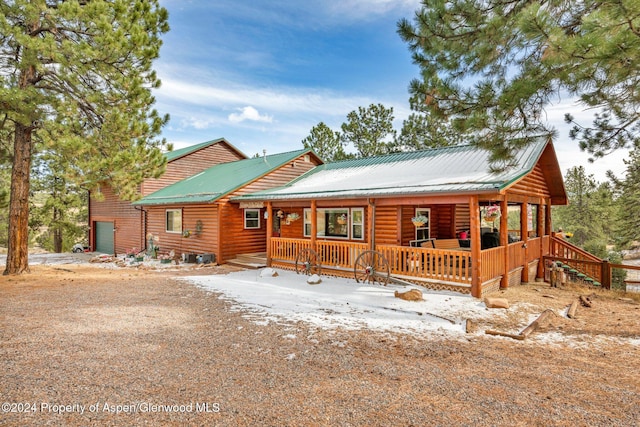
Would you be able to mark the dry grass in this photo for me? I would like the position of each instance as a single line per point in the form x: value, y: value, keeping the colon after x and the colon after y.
x: 81, y: 335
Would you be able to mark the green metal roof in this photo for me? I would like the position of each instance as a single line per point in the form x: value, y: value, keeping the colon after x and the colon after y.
x: 175, y: 154
x: 219, y: 180
x: 458, y: 169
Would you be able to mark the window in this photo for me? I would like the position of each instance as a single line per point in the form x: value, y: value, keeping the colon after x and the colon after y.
x: 252, y: 218
x: 532, y: 220
x: 422, y: 232
x: 340, y: 223
x: 173, y: 221
x: 357, y: 223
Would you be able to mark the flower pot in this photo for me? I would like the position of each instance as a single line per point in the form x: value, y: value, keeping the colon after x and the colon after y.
x: 165, y: 261
x: 418, y: 223
x: 139, y: 258
x: 491, y: 218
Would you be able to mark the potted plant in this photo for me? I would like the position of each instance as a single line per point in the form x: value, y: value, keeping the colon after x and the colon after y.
x: 419, y: 220
x: 131, y: 253
x: 165, y: 258
x: 491, y: 213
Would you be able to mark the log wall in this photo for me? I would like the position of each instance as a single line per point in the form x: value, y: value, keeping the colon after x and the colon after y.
x: 204, y: 242
x: 128, y: 221
x: 191, y: 164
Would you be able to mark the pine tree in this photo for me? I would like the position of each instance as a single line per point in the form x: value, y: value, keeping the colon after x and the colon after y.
x: 76, y: 78
x: 628, y: 189
x: 326, y: 143
x: 370, y: 130
x: 59, y: 219
x: 420, y: 131
x: 492, y: 67
x: 591, y: 211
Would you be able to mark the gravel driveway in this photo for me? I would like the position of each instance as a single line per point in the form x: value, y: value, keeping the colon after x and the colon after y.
x: 82, y: 345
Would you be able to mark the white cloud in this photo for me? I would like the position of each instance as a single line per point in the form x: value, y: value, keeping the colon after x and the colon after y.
x: 249, y: 113
x: 198, y: 122
x: 368, y: 9
x: 228, y: 95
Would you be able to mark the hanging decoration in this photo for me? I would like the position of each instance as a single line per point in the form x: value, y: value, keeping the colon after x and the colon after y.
x: 199, y: 227
x: 419, y: 220
x: 491, y: 213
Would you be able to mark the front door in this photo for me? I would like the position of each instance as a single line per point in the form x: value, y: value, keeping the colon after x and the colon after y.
x: 276, y: 226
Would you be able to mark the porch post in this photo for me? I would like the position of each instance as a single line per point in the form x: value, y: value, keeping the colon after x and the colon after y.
x: 314, y: 223
x: 476, y: 268
x: 269, y: 231
x: 371, y: 219
x: 540, y: 234
x: 524, y: 233
x: 547, y: 219
x: 504, y: 241
x: 219, y: 236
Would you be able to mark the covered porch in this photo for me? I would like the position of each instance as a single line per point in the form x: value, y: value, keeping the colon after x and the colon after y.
x: 476, y: 229
x: 446, y: 253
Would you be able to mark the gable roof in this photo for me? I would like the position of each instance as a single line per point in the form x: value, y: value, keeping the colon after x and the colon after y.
x: 458, y: 169
x: 181, y: 152
x: 219, y: 180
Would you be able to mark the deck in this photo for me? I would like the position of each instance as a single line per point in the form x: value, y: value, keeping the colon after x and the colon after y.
x: 441, y: 269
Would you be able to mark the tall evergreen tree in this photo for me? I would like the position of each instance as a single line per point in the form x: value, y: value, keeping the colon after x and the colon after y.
x: 326, y: 143
x: 370, y: 130
x: 590, y: 213
x: 421, y: 131
x: 492, y: 67
x: 58, y: 213
x: 76, y: 78
x: 628, y: 190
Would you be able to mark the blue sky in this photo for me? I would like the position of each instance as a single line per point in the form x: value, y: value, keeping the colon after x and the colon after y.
x: 262, y: 73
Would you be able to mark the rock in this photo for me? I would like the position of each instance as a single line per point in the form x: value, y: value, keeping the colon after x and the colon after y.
x: 268, y: 272
x: 314, y: 279
x: 410, y: 295
x: 471, y: 326
x: 492, y: 302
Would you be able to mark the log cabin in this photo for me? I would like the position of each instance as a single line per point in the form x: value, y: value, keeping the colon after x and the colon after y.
x: 117, y: 226
x: 340, y: 210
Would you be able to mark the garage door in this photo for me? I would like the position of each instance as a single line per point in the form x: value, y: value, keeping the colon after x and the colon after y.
x: 104, y: 237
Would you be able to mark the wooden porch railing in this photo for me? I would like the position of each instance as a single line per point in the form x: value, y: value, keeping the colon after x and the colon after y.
x: 581, y: 260
x: 516, y: 255
x: 449, y: 265
x: 404, y: 261
x: 590, y: 268
x: 430, y: 264
x: 341, y: 255
x: 492, y: 263
x: 287, y: 249
x: 533, y: 249
x: 563, y: 249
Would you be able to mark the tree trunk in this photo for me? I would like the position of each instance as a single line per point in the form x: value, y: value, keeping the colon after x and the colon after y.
x: 18, y: 242
x: 57, y: 230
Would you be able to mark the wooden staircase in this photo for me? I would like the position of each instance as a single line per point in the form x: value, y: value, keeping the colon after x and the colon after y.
x: 250, y: 261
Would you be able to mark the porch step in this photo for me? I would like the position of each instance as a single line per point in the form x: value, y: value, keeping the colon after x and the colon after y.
x: 250, y: 261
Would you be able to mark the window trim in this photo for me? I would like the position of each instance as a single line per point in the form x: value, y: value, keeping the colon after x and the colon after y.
x: 246, y: 219
x: 166, y: 220
x: 424, y: 212
x: 353, y: 223
x: 306, y: 228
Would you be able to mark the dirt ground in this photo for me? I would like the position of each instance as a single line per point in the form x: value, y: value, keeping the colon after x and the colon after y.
x: 83, y: 345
